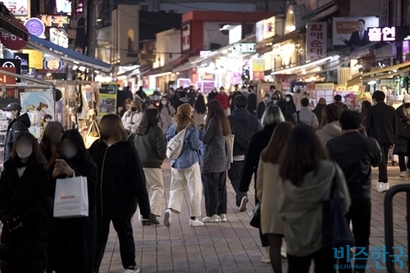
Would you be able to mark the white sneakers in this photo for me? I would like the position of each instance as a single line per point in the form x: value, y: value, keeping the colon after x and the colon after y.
x: 213, y: 219
x: 223, y: 218
x: 244, y: 202
x: 265, y: 258
x: 167, y: 218
x: 132, y: 270
x: 403, y: 174
x: 383, y: 187
x: 195, y: 223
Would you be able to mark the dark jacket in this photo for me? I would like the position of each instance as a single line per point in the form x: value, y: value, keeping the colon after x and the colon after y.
x: 381, y: 123
x: 403, y: 130
x: 232, y: 98
x: 252, y: 103
x: 318, y: 112
x: 261, y: 109
x: 258, y: 142
x: 288, y: 109
x: 363, y: 116
x: 355, y: 41
x: 249, y: 120
x: 356, y: 154
x: 151, y: 148
x: 15, y: 128
x: 25, y: 248
x: 72, y: 242
x: 341, y: 105
x: 216, y: 155
x: 121, y: 183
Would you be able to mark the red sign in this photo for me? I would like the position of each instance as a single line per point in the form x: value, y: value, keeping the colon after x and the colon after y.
x: 4, y: 79
x: 11, y: 41
x: 316, y: 40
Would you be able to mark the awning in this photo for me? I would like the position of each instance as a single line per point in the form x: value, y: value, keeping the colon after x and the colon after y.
x: 307, y: 66
x: 380, y: 73
x: 9, y: 26
x: 158, y: 71
x: 67, y: 54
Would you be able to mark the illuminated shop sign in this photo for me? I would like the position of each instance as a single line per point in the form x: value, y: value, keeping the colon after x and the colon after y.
x: 56, y: 21
x: 387, y: 34
x: 244, y: 47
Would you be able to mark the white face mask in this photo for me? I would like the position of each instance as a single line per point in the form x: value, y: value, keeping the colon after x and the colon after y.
x: 9, y: 115
x: 164, y: 102
x: 24, y: 151
x: 70, y: 152
x: 287, y: 99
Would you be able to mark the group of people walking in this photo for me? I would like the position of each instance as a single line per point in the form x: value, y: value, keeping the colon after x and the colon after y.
x: 292, y: 163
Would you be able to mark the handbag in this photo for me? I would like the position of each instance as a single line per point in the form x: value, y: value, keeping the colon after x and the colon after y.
x: 255, y: 216
x: 230, y: 139
x: 175, y: 145
x: 71, y: 198
x: 335, y: 230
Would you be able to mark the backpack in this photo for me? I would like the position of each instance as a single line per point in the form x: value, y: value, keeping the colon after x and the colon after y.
x: 175, y: 145
x: 243, y: 134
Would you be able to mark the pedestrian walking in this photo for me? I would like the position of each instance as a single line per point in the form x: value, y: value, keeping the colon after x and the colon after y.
x: 330, y: 127
x: 402, y: 146
x: 121, y: 187
x: 150, y: 144
x: 167, y: 110
x: 215, y: 163
x: 319, y: 109
x: 51, y: 140
x: 185, y: 170
x: 200, y: 110
x: 307, y: 176
x: 381, y: 124
x: 132, y: 118
x: 306, y: 116
x: 24, y: 208
x: 356, y: 154
x: 72, y: 247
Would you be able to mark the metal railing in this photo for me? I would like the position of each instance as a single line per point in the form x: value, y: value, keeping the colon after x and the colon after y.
x: 388, y: 223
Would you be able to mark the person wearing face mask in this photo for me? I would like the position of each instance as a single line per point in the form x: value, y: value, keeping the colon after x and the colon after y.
x: 167, y: 110
x: 121, y: 186
x: 402, y: 146
x: 18, y: 124
x: 50, y: 141
x: 72, y: 247
x: 24, y: 208
x: 288, y: 108
x: 262, y: 106
x: 132, y: 118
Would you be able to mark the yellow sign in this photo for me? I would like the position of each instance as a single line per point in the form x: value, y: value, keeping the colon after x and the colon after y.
x: 325, y: 86
x: 35, y: 58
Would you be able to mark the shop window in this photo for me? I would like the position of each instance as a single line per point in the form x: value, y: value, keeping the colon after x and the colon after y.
x: 131, y: 39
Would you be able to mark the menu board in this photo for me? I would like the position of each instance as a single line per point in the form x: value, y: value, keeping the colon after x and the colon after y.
x: 107, y: 102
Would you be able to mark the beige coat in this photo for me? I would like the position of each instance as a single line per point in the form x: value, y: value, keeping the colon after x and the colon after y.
x: 268, y: 188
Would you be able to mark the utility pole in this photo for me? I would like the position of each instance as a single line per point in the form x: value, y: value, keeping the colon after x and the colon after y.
x: 91, y: 32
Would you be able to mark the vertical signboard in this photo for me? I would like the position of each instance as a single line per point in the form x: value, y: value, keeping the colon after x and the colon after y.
x: 259, y: 30
x: 258, y: 69
x: 235, y: 34
x: 186, y: 37
x: 269, y: 28
x: 316, y: 40
x: 107, y: 99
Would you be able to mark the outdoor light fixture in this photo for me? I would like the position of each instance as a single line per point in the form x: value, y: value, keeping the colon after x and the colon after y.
x: 372, y: 82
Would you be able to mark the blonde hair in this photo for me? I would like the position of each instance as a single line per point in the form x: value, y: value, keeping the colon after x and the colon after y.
x: 183, y: 117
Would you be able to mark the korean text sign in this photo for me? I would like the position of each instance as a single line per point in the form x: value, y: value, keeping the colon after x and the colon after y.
x: 316, y: 40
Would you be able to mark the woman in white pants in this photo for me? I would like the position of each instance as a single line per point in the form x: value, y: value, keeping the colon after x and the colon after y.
x: 150, y: 144
x: 185, y: 170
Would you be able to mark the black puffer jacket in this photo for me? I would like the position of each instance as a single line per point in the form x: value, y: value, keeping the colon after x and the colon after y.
x: 15, y: 128
x: 121, y: 184
x: 25, y: 248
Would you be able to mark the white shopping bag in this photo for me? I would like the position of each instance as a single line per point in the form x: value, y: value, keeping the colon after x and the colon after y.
x: 71, y: 198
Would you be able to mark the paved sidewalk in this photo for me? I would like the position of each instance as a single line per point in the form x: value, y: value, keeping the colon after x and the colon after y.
x: 229, y: 247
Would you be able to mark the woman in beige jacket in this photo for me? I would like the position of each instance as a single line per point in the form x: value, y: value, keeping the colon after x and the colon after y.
x: 268, y: 191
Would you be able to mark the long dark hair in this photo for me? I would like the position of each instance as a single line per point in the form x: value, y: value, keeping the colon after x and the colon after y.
x: 331, y: 113
x: 215, y: 111
x: 162, y: 106
x: 149, y: 119
x: 77, y: 140
x: 200, y: 106
x: 36, y: 158
x: 45, y: 144
x: 277, y: 142
x: 303, y: 153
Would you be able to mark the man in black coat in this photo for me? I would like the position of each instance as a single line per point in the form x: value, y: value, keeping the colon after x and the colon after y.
x: 381, y: 124
x: 18, y: 124
x: 402, y: 146
x: 356, y: 154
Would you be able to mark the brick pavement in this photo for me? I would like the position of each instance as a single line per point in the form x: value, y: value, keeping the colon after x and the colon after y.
x: 229, y: 247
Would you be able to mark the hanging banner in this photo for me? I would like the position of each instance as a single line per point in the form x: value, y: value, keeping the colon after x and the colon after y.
x: 18, y: 7
x: 40, y: 107
x: 4, y: 79
x: 107, y: 102
x: 316, y: 40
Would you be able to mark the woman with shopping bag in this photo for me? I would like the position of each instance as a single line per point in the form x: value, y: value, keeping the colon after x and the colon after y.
x: 72, y: 247
x: 121, y: 186
x: 24, y: 208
